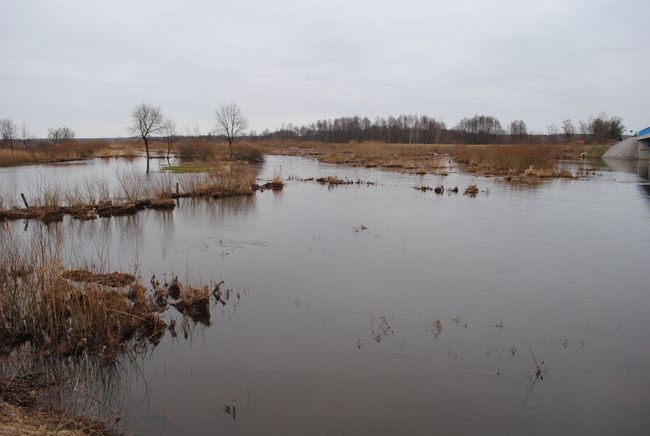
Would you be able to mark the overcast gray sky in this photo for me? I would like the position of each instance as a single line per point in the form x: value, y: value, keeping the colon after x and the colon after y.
x: 86, y: 63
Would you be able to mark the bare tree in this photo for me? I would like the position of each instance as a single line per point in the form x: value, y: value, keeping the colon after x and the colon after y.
x: 568, y: 129
x: 552, y: 131
x: 169, y: 129
x: 518, y: 131
x: 584, y: 129
x: 480, y: 129
x: 60, y: 134
x: 603, y: 128
x: 8, y: 131
x: 24, y: 132
x: 230, y: 122
x: 146, y: 120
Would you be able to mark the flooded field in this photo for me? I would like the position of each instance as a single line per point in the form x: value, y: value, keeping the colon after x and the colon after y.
x: 381, y: 309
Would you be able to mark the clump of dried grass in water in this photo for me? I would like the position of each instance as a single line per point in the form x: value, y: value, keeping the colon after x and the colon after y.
x: 51, y: 316
x: 510, y: 160
x: 223, y: 179
x: 195, y: 303
x: 548, y: 173
x: 39, y: 303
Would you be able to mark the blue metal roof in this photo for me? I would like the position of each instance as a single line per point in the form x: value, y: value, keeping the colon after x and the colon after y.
x: 645, y: 133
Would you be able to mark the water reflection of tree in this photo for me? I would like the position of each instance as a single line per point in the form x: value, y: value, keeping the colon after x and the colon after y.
x: 164, y: 220
x: 219, y: 209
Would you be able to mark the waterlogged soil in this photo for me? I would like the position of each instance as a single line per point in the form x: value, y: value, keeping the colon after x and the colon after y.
x: 381, y: 309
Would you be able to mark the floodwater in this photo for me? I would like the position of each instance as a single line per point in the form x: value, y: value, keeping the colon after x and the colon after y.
x: 368, y: 310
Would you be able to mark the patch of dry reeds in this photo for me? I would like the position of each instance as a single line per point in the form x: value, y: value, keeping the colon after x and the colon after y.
x: 504, y: 159
x: 223, y: 179
x: 48, y: 307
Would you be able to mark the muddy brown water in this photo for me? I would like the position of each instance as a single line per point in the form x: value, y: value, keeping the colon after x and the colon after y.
x: 336, y: 332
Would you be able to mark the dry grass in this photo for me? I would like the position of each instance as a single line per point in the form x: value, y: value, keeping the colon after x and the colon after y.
x: 426, y: 158
x: 333, y: 180
x: 193, y: 148
x: 16, y: 420
x: 59, y: 312
x: 49, y: 201
x: 505, y: 159
x: 41, y: 305
x: 410, y: 158
x: 205, y: 149
x: 198, y: 149
x: 223, y: 179
x: 132, y: 184
x: 195, y: 303
x: 548, y: 173
x: 64, y: 334
x: 45, y: 151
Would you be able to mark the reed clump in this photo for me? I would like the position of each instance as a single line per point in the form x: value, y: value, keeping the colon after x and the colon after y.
x: 61, y: 329
x: 548, y: 173
x: 61, y: 312
x: 509, y: 160
x: 114, y: 279
x: 222, y: 180
x: 195, y: 303
x: 197, y: 149
x: 409, y: 158
x: 333, y: 180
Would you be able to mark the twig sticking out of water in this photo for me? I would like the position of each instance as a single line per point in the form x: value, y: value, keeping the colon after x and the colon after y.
x: 618, y: 325
x: 538, y: 375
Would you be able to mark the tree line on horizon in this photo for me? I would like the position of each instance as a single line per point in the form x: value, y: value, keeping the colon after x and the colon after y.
x: 148, y: 122
x: 479, y: 129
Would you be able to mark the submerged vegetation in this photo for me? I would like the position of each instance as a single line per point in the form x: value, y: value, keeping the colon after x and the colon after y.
x: 51, y: 316
x: 51, y: 201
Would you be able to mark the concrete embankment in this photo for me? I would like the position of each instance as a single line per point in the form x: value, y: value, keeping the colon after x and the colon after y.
x: 627, y: 149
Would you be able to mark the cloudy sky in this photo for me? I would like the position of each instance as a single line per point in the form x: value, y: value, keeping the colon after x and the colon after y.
x: 86, y: 63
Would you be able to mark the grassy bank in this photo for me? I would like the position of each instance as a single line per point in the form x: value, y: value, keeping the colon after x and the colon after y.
x: 51, y: 201
x: 37, y: 152
x: 43, y: 151
x: 509, y: 160
x: 506, y: 160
